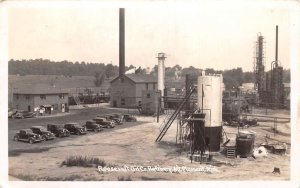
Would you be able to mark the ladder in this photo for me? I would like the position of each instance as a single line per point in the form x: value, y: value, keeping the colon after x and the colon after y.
x: 231, y: 152
x: 171, y: 117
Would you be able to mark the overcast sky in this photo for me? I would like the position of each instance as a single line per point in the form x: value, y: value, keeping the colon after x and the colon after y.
x: 199, y: 35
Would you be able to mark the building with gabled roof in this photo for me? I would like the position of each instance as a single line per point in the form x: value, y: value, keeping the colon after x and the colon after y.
x: 126, y: 90
x: 34, y: 97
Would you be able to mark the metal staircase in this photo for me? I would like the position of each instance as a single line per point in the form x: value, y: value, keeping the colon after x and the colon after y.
x: 171, y: 117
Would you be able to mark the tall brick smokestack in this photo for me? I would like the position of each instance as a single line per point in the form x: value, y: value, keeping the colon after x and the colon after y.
x: 121, y: 41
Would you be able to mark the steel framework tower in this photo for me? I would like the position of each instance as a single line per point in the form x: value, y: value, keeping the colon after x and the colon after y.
x: 259, y: 67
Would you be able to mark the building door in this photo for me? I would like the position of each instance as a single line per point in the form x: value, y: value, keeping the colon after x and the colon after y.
x: 29, y: 108
x: 114, y: 103
x: 63, y: 107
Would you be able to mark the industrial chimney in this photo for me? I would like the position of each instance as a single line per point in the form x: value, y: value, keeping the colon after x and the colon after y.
x: 276, y: 46
x: 121, y: 41
x: 161, y: 72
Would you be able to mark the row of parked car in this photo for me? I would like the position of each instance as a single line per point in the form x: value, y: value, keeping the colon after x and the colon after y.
x: 40, y: 133
x: 20, y: 114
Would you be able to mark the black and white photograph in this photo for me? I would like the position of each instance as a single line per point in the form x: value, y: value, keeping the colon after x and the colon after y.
x: 139, y: 92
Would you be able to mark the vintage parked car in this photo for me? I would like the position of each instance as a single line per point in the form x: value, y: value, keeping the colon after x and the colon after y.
x: 42, y: 131
x: 11, y: 113
x: 129, y: 118
x: 23, y: 114
x: 117, y: 121
x: 28, y: 136
x: 119, y: 116
x: 58, y: 130
x: 75, y: 128
x: 93, y: 126
x: 104, y: 123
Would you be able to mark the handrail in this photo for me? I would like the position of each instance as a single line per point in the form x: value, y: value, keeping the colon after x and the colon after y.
x: 170, y: 120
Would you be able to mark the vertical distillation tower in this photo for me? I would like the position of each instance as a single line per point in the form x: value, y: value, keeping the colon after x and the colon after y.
x: 161, y: 75
x: 259, y: 67
x: 277, y: 88
x: 210, y: 103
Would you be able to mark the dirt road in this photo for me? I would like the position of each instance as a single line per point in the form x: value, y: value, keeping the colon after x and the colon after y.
x: 132, y: 144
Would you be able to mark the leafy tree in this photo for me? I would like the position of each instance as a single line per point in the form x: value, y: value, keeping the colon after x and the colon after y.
x: 99, y: 79
x: 248, y: 77
x: 212, y: 71
x: 109, y: 71
x: 233, y: 78
x: 154, y: 70
x: 190, y: 70
x: 140, y: 71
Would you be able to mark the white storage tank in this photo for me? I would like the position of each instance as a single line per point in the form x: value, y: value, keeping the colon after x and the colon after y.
x: 210, y: 103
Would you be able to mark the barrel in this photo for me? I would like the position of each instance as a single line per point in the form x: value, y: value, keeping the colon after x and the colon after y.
x: 245, y: 144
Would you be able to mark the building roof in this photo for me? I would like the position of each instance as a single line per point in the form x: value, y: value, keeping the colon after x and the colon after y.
x: 38, y: 89
x: 139, y: 78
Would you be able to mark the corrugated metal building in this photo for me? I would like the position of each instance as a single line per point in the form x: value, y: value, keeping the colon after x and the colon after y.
x: 126, y: 90
x: 32, y: 97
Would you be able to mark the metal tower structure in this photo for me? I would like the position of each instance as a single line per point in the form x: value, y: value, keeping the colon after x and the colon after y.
x: 259, y: 67
x: 277, y: 88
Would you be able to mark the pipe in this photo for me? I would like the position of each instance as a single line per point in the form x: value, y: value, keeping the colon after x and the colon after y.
x: 276, y: 48
x: 121, y: 41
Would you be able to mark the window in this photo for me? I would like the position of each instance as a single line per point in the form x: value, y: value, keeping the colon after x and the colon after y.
x: 61, y: 96
x: 27, y: 97
x: 147, y: 86
x: 122, y: 80
x: 43, y: 97
x: 122, y: 101
x: 148, y: 95
x: 55, y: 106
x: 17, y: 96
x: 153, y: 86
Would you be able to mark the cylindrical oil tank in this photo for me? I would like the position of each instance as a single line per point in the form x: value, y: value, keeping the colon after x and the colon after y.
x: 245, y: 144
x: 198, y: 132
x: 210, y: 103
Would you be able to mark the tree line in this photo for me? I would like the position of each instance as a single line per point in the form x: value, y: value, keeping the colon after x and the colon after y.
x: 66, y: 68
x: 232, y: 78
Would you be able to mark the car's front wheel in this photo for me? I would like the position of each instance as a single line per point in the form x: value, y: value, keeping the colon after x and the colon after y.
x: 78, y: 133
x: 31, y: 141
x: 16, y: 138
